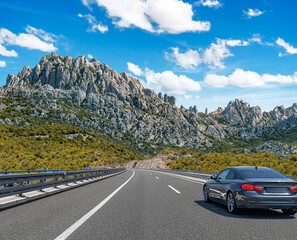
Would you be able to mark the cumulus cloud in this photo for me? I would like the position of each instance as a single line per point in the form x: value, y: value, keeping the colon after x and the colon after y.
x: 247, y: 79
x: 27, y: 40
x: 216, y: 53
x: 2, y: 64
x: 188, y: 60
x: 167, y: 81
x: 253, y: 13
x: 135, y: 69
x: 209, y: 3
x: 7, y: 53
x: 95, y: 26
x: 213, y: 56
x: 289, y: 48
x: 170, y: 16
x: 187, y: 96
x: 90, y: 56
x: 197, y: 97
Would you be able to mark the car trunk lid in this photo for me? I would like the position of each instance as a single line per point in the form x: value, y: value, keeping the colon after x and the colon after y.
x: 275, y: 186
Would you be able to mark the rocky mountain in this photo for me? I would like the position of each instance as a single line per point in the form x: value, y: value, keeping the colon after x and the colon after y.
x: 91, y: 95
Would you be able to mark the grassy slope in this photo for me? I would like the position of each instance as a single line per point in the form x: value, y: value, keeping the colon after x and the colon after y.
x: 22, y: 149
x: 219, y: 161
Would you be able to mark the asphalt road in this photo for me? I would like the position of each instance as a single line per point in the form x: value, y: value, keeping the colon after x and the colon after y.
x: 151, y: 205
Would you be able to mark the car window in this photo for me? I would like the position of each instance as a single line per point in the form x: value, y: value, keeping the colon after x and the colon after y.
x: 223, y: 174
x: 261, y: 173
x: 232, y: 175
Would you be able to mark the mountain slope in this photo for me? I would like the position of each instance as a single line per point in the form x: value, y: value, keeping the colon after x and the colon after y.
x: 92, y: 96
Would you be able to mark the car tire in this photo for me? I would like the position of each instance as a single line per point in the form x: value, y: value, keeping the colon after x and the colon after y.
x: 231, y: 203
x: 289, y: 211
x: 206, y: 194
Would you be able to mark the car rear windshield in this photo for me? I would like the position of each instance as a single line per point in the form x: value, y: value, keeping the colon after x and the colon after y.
x: 261, y: 173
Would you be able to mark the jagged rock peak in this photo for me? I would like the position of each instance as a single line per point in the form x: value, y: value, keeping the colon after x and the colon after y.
x: 240, y: 112
x: 193, y: 109
x: 169, y: 99
x: 281, y: 113
x: 75, y: 73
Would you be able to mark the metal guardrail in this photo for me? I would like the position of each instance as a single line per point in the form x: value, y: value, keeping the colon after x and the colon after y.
x: 19, y: 182
x: 200, y: 174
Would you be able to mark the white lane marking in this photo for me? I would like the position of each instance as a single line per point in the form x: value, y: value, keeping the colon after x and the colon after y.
x: 184, y: 178
x: 174, y: 189
x: 77, y: 224
x: 157, y: 177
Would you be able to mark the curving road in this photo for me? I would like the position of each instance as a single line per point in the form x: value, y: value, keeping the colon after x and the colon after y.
x: 139, y: 204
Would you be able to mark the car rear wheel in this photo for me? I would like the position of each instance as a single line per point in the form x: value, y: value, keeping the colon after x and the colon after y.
x: 289, y: 211
x: 231, y: 204
x: 206, y: 194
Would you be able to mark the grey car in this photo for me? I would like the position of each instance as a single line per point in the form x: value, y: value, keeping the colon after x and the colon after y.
x: 252, y: 187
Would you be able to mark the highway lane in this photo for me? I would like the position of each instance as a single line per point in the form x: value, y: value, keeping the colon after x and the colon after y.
x: 147, y: 207
x: 48, y: 217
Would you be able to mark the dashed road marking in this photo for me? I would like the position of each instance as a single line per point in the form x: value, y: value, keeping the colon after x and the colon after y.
x: 174, y: 189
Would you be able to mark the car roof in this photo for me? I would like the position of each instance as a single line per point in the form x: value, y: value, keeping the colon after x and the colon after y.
x: 247, y: 167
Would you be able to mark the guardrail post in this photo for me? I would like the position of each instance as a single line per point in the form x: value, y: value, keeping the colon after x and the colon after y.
x: 21, y: 194
x: 28, y: 182
x: 5, y: 183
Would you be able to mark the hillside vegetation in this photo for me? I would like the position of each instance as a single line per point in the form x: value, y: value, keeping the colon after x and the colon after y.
x: 193, y: 160
x: 57, y: 147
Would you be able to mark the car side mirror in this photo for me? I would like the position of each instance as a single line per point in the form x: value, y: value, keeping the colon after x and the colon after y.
x: 214, y: 177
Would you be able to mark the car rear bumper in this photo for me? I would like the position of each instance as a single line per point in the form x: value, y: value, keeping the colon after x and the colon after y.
x: 255, y: 200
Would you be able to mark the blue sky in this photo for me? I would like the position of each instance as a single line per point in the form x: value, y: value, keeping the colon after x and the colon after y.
x: 204, y: 52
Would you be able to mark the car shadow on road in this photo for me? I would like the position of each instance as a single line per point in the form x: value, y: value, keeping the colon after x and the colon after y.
x: 244, y: 213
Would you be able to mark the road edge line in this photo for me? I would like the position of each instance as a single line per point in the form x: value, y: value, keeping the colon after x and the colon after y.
x: 83, y: 219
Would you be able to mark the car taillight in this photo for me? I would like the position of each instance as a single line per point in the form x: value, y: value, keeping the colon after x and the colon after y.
x: 251, y: 187
x: 257, y: 188
x: 294, y: 189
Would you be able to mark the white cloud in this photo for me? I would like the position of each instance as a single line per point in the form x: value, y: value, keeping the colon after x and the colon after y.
x: 24, y: 40
x: 216, y: 53
x: 169, y: 82
x: 95, y: 26
x: 171, y: 16
x: 212, y: 56
x: 188, y: 60
x: 187, y: 97
x: 289, y: 49
x: 246, y: 79
x: 209, y: 3
x: 135, y: 69
x: 2, y: 64
x: 87, y: 3
x: 253, y: 13
x: 256, y: 38
x: 48, y: 37
x: 7, y: 53
x: 166, y: 81
x: 236, y: 43
x: 217, y: 97
x: 197, y: 97
x: 90, y: 56
x: 32, y: 42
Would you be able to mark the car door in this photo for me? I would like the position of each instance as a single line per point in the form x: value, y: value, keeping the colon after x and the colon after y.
x: 226, y: 182
x: 216, y: 190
